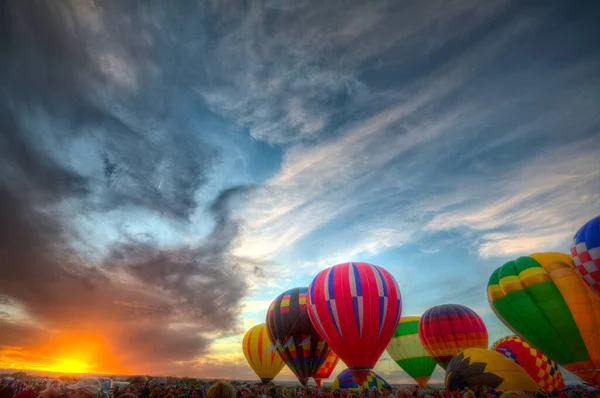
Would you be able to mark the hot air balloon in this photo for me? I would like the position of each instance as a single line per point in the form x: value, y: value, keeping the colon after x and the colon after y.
x: 483, y: 367
x: 407, y: 350
x: 356, y: 308
x: 585, y: 251
x: 543, y: 370
x: 346, y: 381
x: 294, y: 336
x: 447, y: 329
x: 263, y: 359
x: 542, y: 299
x: 327, y: 368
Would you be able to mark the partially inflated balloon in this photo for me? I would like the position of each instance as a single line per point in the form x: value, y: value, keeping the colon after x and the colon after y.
x: 542, y: 369
x: 265, y: 361
x: 542, y: 299
x: 346, y: 381
x: 447, y: 329
x: 294, y: 336
x: 356, y: 308
x: 483, y: 367
x: 407, y: 350
x: 585, y: 251
x: 327, y: 368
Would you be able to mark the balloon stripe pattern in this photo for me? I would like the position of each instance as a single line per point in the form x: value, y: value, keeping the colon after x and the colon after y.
x: 407, y: 350
x: 447, y: 329
x: 483, y: 367
x: 541, y: 298
x: 327, y: 368
x: 356, y: 308
x: 346, y: 381
x: 542, y: 369
x: 293, y: 335
x: 256, y: 347
x: 585, y: 251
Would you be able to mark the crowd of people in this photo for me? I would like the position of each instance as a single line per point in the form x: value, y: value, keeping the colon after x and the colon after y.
x: 93, y: 388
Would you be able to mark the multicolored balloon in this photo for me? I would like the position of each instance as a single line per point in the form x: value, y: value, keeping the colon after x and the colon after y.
x: 541, y: 298
x: 445, y: 330
x: 293, y: 335
x: 543, y: 370
x: 346, y: 381
x: 585, y: 251
x: 483, y: 367
x: 407, y: 350
x: 265, y: 361
x: 327, y: 368
x: 356, y: 308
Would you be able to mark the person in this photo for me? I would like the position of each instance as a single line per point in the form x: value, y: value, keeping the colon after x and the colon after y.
x: 221, y: 389
x: 386, y: 391
x: 7, y: 391
x: 50, y: 392
x: 402, y: 392
x: 86, y: 388
x: 513, y: 394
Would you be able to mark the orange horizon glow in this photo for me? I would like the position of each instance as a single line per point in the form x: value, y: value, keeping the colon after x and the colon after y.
x: 66, y: 353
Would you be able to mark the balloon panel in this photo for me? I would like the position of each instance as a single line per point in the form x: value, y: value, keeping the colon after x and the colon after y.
x: 407, y: 350
x: 585, y: 251
x: 257, y: 349
x: 542, y: 369
x: 541, y: 298
x: 479, y: 367
x: 447, y: 329
x: 328, y: 366
x: 356, y: 308
x: 294, y: 336
x: 346, y: 381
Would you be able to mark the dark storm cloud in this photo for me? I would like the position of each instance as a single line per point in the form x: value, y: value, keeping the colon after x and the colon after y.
x: 70, y: 90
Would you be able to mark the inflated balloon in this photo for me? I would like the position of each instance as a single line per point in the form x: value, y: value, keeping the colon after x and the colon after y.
x: 294, y: 336
x: 356, y: 308
x: 447, y: 329
x: 542, y: 369
x: 482, y: 367
x: 346, y: 381
x: 264, y: 360
x: 585, y: 251
x: 542, y: 299
x: 327, y: 368
x: 407, y: 350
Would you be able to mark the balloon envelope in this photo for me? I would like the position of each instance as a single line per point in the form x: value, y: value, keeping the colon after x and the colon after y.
x: 480, y: 366
x: 294, y: 336
x: 543, y: 370
x: 541, y: 298
x: 585, y: 251
x: 407, y: 350
x: 447, y: 329
x: 356, y: 308
x: 263, y: 359
x: 346, y: 381
x: 327, y: 368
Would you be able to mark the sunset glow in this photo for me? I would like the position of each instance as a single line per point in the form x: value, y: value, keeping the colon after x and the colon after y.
x: 66, y: 365
x: 168, y: 169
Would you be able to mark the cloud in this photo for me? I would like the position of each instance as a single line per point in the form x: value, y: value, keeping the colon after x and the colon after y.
x: 80, y: 139
x: 533, y: 208
x: 289, y: 68
x: 455, y: 148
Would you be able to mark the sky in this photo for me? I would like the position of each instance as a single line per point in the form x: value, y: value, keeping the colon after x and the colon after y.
x: 168, y: 168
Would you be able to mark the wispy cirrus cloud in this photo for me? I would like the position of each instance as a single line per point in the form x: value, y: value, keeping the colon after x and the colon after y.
x: 163, y: 163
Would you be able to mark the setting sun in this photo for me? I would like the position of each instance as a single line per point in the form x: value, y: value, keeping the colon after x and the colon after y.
x: 67, y: 365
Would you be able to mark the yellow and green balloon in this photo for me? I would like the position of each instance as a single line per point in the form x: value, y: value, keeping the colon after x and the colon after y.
x: 541, y: 298
x: 407, y: 350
